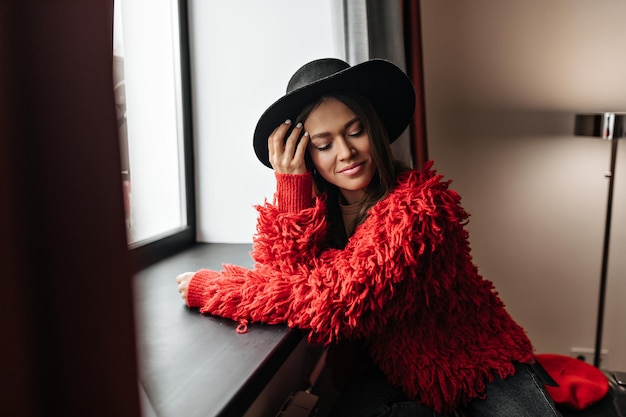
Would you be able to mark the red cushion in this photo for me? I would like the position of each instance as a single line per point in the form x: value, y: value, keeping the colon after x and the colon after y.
x: 581, y: 384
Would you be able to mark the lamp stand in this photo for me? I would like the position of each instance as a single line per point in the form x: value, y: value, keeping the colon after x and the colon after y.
x: 605, y: 256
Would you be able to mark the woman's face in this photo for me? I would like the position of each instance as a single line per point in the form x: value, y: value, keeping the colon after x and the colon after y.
x: 340, y: 148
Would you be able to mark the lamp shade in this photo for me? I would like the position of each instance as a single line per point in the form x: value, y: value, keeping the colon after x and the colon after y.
x: 602, y: 125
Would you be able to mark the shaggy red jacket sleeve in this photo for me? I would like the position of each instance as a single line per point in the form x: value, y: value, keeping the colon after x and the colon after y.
x: 334, y: 293
x: 294, y: 193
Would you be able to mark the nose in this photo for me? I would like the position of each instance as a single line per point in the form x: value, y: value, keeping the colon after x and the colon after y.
x: 344, y: 148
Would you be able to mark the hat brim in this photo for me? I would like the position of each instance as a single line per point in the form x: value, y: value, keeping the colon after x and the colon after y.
x: 386, y: 87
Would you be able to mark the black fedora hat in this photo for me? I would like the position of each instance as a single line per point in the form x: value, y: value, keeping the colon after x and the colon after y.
x: 385, y: 85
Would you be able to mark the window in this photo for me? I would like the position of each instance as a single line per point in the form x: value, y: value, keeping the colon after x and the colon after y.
x: 151, y: 84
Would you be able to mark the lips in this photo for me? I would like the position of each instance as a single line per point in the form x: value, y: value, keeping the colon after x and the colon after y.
x: 352, y: 169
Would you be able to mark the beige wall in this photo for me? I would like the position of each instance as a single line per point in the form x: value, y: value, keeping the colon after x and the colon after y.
x: 503, y: 81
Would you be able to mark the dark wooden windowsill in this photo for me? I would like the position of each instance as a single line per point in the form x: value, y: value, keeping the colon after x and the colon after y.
x: 195, y: 365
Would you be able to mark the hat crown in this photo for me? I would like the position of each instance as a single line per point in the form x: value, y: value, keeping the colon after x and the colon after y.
x: 315, y: 71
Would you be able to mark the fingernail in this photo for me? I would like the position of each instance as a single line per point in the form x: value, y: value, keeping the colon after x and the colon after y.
x: 306, y: 133
x: 287, y: 122
x: 299, y: 125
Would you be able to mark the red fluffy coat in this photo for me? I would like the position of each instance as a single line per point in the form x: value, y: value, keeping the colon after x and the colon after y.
x: 405, y: 283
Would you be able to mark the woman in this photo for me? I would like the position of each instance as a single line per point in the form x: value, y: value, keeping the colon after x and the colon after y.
x: 372, y: 259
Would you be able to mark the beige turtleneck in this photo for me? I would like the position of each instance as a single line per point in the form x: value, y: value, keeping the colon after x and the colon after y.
x: 349, y: 213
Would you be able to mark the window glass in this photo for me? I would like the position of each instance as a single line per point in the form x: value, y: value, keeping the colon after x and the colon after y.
x: 147, y: 83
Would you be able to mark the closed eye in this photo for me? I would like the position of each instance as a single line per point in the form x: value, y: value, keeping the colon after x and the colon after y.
x: 356, y: 133
x: 323, y: 147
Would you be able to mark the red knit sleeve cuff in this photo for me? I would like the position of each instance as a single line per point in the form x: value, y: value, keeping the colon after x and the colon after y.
x: 294, y: 192
x: 197, y: 285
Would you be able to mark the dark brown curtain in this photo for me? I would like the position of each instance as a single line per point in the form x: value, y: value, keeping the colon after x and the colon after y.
x: 66, y: 315
x: 414, y: 64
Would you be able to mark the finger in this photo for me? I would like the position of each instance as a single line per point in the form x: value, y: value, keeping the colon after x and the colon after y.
x: 276, y: 139
x: 180, y: 278
x: 301, y: 148
x: 290, y: 144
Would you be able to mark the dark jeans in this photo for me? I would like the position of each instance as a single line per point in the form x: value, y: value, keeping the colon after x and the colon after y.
x: 521, y: 395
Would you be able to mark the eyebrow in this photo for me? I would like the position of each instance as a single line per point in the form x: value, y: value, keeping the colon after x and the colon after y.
x: 324, y: 134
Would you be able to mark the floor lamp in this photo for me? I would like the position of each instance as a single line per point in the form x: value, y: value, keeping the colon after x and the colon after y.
x: 609, y: 126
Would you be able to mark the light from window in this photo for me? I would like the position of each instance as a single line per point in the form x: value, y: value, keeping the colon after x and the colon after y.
x: 147, y: 83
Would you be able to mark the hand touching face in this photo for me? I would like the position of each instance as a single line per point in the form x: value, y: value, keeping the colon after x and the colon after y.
x: 287, y: 156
